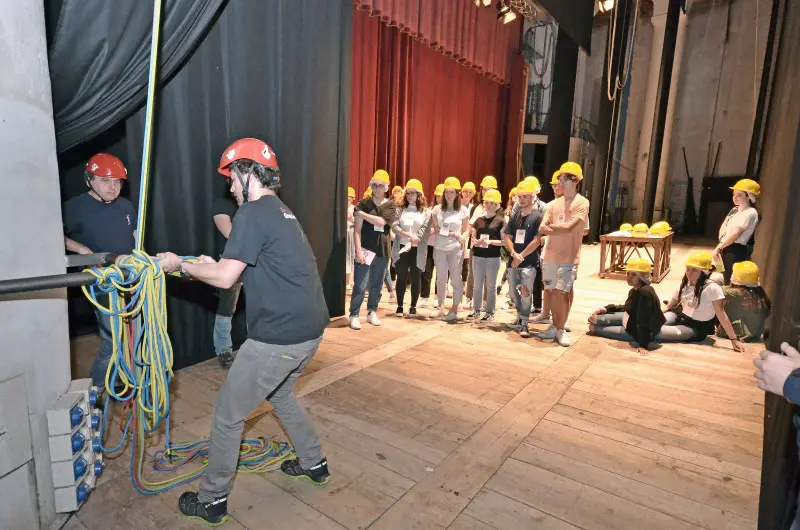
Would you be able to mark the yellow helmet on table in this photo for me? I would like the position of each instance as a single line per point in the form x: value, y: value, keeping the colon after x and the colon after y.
x: 700, y: 259
x: 492, y: 196
x: 661, y: 224
x: 468, y: 186
x: 640, y: 228
x: 439, y: 190
x: 659, y: 230
x: 748, y: 186
x: 572, y: 168
x: 489, y: 182
x: 637, y: 264
x: 414, y: 184
x: 746, y: 273
x: 626, y: 227
x: 452, y: 183
x: 351, y: 193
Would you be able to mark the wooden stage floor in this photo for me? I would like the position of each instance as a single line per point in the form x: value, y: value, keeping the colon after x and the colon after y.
x: 430, y: 425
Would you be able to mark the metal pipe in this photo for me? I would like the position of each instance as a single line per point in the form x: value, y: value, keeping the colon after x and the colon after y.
x: 662, y: 99
x: 44, y: 283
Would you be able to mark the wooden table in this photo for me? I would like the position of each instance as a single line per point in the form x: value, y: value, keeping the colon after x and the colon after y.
x: 617, y: 249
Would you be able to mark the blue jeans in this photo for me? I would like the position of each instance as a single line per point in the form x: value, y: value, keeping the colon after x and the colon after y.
x: 516, y: 279
x: 609, y: 326
x: 100, y: 365
x: 224, y: 317
x: 484, y: 272
x: 367, y: 276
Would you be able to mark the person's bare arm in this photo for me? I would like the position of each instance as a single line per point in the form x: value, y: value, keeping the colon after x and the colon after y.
x: 223, y: 224
x: 725, y: 322
x: 74, y: 246
x: 359, y: 222
x: 223, y: 273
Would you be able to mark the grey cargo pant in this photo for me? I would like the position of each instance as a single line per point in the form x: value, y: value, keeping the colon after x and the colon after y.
x: 260, y: 371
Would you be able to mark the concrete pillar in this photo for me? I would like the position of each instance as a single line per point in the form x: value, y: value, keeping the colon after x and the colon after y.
x: 663, y: 170
x: 33, y: 327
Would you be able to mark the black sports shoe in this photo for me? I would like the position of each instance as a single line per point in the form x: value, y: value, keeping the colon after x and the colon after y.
x: 399, y: 312
x: 412, y: 311
x: 225, y: 359
x: 214, y: 513
x: 317, y: 474
x: 488, y: 317
x: 523, y: 331
x: 474, y: 314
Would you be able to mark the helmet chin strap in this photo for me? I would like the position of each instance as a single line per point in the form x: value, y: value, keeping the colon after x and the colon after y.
x: 94, y: 192
x: 245, y: 183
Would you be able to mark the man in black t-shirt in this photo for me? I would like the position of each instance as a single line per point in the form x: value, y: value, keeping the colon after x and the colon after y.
x: 101, y: 221
x: 286, y: 316
x: 224, y: 210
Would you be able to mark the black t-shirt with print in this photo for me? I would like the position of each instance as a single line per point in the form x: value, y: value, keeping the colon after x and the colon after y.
x: 285, y: 304
x: 530, y: 223
x: 493, y: 227
x: 377, y: 240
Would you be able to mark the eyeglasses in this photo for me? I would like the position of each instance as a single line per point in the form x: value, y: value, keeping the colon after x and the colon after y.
x: 378, y: 185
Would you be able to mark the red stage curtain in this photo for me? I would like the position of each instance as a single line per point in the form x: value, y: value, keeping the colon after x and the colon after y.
x: 472, y: 35
x: 419, y: 113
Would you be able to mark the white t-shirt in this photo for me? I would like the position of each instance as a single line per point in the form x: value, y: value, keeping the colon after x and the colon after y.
x: 410, y: 221
x: 703, y: 310
x: 747, y: 219
x: 452, y: 222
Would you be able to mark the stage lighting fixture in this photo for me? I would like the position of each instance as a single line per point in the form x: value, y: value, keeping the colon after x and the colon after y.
x: 604, y: 6
x: 504, y: 12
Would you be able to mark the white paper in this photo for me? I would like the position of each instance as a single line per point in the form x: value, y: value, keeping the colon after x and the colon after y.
x: 444, y: 231
x: 368, y: 256
x: 519, y: 239
x: 484, y: 237
x: 377, y: 228
x: 406, y: 247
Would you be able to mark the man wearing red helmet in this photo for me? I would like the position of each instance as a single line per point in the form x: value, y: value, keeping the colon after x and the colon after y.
x: 286, y: 316
x: 101, y: 221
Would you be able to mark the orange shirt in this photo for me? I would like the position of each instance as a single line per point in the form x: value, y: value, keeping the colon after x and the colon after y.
x: 565, y: 247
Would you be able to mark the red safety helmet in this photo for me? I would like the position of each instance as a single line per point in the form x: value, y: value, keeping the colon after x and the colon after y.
x: 107, y: 166
x: 249, y: 149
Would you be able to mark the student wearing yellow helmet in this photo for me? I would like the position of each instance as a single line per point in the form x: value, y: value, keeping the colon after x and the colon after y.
x: 397, y: 195
x: 736, y: 233
x: 487, y: 239
x: 451, y: 226
x: 476, y: 210
x: 746, y: 303
x: 540, y: 206
x: 697, y: 305
x: 563, y: 224
x: 470, y: 201
x: 410, y: 248
x: 427, y: 273
x: 373, y: 218
x: 640, y: 319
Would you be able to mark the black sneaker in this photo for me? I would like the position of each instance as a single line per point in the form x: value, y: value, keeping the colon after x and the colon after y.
x: 523, y: 331
x: 225, y: 359
x: 412, y: 311
x: 488, y: 317
x: 399, y: 312
x: 317, y: 475
x: 214, y: 513
x: 474, y: 314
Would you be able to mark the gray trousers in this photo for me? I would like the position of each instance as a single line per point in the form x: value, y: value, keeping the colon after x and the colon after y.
x: 448, y: 261
x: 485, y: 270
x: 260, y: 371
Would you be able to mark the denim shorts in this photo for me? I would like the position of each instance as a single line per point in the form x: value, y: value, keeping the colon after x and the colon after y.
x: 559, y: 276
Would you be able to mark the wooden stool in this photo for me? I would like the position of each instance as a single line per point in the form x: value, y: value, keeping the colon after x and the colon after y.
x: 615, y: 250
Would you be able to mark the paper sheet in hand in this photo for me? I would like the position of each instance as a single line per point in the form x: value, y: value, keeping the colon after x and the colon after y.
x: 406, y: 248
x: 368, y: 256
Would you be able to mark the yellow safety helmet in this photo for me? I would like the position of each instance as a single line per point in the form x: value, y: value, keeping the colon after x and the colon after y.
x: 626, y: 227
x: 396, y: 189
x: 489, y: 182
x: 555, y: 179
x: 573, y: 168
x: 439, y: 190
x: 414, y: 184
x: 468, y: 186
x: 381, y: 176
x: 746, y: 273
x: 659, y: 230
x: 492, y: 195
x: 748, y: 186
x: 513, y: 191
x: 640, y: 227
x: 533, y: 180
x: 637, y: 264
x: 659, y: 225
x: 527, y: 186
x: 451, y: 183
x: 351, y: 193
x: 368, y: 193
x: 700, y: 259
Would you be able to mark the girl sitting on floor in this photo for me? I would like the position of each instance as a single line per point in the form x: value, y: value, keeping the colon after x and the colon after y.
x: 746, y: 303
x: 694, y: 310
x: 640, y: 319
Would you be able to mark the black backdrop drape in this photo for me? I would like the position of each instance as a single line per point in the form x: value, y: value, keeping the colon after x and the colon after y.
x: 279, y: 71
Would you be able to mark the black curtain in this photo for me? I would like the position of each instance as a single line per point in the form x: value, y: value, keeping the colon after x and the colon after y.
x: 99, y: 53
x: 279, y: 71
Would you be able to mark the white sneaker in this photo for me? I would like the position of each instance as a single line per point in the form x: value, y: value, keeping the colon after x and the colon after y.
x: 437, y: 314
x: 423, y: 302
x: 355, y: 323
x: 372, y: 318
x: 548, y: 334
x: 468, y: 305
x: 452, y: 316
x: 562, y: 338
x: 540, y: 319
